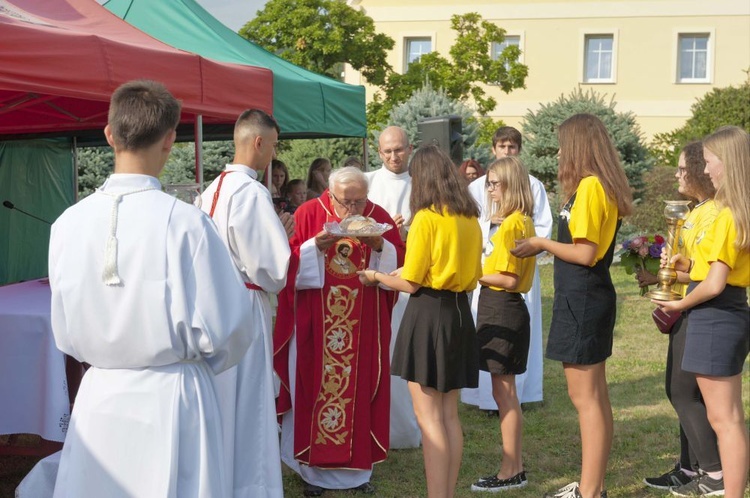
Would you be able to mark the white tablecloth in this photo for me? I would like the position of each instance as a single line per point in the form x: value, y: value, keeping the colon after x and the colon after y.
x: 33, y: 387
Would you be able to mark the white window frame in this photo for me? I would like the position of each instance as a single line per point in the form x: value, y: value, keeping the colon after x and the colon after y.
x: 521, y: 44
x: 711, y: 33
x: 585, y: 34
x: 405, y: 37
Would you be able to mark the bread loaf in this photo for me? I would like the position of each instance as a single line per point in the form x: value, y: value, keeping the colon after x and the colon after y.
x: 358, y: 224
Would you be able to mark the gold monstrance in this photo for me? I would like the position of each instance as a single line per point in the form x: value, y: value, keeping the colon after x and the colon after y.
x: 676, y: 213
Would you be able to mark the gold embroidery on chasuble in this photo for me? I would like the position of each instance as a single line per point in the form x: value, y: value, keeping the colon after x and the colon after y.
x: 334, y: 407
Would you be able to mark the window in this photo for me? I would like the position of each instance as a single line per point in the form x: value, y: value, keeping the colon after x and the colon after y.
x: 497, y: 48
x: 693, y: 58
x: 599, y: 59
x: 415, y: 48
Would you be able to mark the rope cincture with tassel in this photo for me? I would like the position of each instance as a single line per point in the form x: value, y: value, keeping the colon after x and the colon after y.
x: 110, y: 275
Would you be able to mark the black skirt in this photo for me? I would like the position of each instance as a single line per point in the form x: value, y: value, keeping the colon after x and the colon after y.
x: 503, y: 332
x: 718, y: 334
x: 436, y: 344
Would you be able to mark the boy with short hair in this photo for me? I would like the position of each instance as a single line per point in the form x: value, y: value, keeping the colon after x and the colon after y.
x: 143, y: 289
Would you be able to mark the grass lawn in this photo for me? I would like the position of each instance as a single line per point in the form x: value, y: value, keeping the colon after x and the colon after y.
x: 645, y: 438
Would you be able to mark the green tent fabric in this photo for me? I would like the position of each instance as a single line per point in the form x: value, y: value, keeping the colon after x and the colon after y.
x: 36, y: 176
x: 306, y: 104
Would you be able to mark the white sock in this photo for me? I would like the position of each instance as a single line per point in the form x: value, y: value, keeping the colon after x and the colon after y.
x: 719, y: 474
x: 687, y: 472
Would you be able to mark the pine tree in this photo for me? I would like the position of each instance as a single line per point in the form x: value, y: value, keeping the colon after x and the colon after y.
x: 428, y: 103
x: 95, y: 164
x: 540, y: 146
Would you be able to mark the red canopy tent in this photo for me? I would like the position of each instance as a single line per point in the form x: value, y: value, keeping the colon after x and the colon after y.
x: 60, y: 60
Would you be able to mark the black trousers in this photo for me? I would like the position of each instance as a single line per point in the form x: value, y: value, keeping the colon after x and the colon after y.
x: 698, y: 449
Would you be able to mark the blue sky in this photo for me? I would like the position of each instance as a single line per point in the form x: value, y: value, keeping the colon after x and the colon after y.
x: 233, y: 13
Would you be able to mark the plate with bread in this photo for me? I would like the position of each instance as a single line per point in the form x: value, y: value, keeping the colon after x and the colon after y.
x: 356, y: 226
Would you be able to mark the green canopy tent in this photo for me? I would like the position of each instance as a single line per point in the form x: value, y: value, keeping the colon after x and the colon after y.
x: 305, y: 104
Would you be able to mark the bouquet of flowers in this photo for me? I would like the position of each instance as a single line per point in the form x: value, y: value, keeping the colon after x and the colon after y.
x: 642, y: 253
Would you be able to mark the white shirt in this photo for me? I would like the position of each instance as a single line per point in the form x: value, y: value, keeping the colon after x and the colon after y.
x: 390, y: 191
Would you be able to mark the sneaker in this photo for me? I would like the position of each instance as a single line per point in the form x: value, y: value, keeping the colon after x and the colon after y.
x: 701, y: 485
x: 569, y: 491
x: 492, y: 484
x: 672, y: 479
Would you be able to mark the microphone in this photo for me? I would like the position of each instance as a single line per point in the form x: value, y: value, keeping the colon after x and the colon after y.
x: 12, y: 206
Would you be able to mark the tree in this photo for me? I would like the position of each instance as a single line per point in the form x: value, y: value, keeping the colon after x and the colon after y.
x: 180, y: 167
x: 95, y: 164
x: 300, y: 153
x: 719, y: 107
x: 539, y: 152
x: 427, y: 103
x: 462, y: 77
x: 321, y: 35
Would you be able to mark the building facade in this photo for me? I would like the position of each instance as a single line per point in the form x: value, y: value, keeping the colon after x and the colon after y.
x: 654, y: 57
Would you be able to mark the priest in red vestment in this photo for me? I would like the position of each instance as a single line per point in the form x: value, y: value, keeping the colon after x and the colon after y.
x: 331, y: 342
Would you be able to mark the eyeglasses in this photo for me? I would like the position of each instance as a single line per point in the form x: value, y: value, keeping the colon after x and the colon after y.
x: 349, y: 205
x: 491, y: 185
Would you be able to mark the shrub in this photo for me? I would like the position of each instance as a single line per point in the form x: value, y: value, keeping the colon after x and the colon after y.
x: 648, y: 213
x: 298, y: 154
x: 540, y: 144
x: 719, y: 107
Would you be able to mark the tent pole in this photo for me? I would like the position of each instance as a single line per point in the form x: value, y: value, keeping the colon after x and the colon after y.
x: 75, y: 170
x: 366, y: 163
x: 269, y: 176
x: 199, y: 151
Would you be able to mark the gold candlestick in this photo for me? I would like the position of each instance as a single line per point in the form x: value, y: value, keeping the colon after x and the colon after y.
x: 676, y: 213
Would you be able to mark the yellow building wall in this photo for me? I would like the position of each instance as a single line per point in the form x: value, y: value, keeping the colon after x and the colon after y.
x: 552, y: 40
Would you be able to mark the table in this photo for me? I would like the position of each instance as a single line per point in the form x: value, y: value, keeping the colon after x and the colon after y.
x: 33, y: 384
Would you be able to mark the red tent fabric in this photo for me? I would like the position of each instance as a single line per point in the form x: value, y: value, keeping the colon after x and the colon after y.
x: 60, y: 60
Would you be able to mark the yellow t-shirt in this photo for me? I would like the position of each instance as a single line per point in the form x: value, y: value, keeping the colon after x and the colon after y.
x: 443, y: 251
x: 593, y: 216
x: 514, y: 227
x: 698, y: 222
x: 719, y: 245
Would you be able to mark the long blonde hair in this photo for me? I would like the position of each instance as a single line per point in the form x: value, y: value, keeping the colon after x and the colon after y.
x: 731, y: 145
x: 515, y: 187
x: 586, y: 149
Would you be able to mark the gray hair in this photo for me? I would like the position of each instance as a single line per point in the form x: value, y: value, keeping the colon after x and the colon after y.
x: 346, y: 176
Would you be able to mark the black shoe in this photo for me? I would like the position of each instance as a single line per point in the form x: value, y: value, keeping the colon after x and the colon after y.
x: 366, y: 488
x: 492, y: 484
x: 672, y: 479
x: 312, y: 490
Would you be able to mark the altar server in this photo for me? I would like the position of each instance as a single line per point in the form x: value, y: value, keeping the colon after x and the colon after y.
x: 144, y: 290
x: 244, y: 214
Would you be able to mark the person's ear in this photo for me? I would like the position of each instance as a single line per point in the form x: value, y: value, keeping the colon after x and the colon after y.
x: 258, y: 142
x: 169, y: 140
x: 108, y: 135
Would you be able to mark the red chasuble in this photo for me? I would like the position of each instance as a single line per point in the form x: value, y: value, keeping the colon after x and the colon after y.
x: 343, y: 334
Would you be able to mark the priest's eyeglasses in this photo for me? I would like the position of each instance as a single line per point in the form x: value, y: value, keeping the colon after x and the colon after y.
x: 349, y: 205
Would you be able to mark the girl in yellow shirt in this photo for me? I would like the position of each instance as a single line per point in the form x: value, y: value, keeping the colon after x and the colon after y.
x: 583, y: 313
x: 699, y: 454
x: 503, y: 322
x: 718, y: 331
x: 436, y: 348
